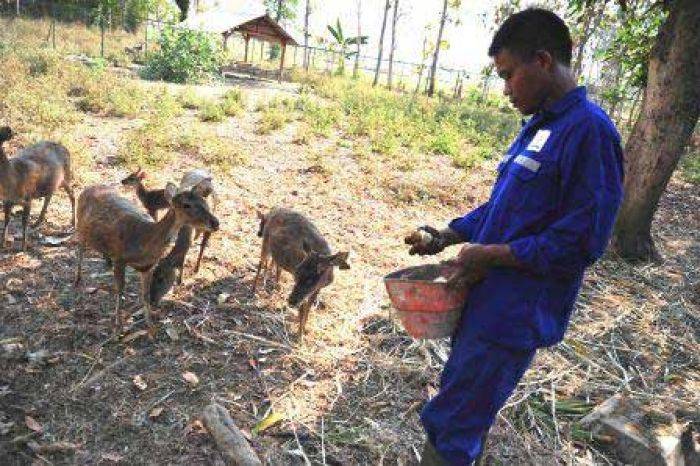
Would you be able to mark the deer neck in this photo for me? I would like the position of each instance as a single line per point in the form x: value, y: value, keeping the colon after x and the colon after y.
x: 159, y: 234
x: 141, y: 190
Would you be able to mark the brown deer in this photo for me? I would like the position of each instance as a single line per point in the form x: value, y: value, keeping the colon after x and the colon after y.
x: 110, y: 224
x: 296, y: 245
x: 169, y: 268
x: 36, y: 172
x: 153, y: 200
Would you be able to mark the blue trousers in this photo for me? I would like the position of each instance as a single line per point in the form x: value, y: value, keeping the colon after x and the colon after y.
x: 476, y: 382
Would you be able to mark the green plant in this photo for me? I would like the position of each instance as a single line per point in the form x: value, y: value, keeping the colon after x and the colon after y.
x: 190, y: 99
x: 690, y: 167
x: 271, y: 119
x: 211, y: 111
x: 233, y: 102
x: 183, y: 56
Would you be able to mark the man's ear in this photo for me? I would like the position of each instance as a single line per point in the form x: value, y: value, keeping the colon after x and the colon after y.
x: 545, y: 59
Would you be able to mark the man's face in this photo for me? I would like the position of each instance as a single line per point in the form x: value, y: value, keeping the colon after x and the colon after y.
x: 526, y: 82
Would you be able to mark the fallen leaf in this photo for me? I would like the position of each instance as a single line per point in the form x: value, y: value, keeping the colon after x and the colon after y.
x: 33, y: 424
x: 155, y: 412
x: 172, y: 333
x: 195, y: 426
x: 134, y: 336
x: 222, y: 298
x: 116, y: 457
x: 270, y: 420
x: 191, y: 378
x: 139, y: 382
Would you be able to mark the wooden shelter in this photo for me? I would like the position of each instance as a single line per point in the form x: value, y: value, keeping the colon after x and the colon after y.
x: 247, y: 18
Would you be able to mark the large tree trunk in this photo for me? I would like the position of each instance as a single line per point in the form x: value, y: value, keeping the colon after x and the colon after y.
x: 670, y: 111
x: 356, y: 68
x: 306, y: 35
x: 393, y: 44
x: 433, y: 68
x: 184, y: 6
x: 381, y: 44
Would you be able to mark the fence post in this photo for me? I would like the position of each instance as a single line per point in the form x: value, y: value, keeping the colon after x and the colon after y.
x: 17, y: 5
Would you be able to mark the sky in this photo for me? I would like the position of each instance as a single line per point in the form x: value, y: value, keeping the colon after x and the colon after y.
x: 468, y: 40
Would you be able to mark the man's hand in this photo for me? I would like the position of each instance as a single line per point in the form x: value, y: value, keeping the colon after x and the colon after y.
x: 475, y: 260
x: 439, y: 240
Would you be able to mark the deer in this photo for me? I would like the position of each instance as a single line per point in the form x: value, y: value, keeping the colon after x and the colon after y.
x: 295, y: 245
x: 37, y: 171
x: 113, y: 226
x: 152, y: 200
x: 169, y: 268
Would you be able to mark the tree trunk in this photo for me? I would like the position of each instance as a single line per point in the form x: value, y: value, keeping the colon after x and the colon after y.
x: 393, y: 44
x: 421, y: 68
x: 433, y: 68
x: 306, y: 35
x: 670, y: 110
x: 387, y: 5
x: 356, y: 68
x: 275, y: 48
x: 592, y: 21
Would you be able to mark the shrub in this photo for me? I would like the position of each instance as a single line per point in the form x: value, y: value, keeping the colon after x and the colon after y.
x: 272, y: 119
x: 211, y: 111
x: 183, y: 56
x: 233, y: 102
x: 190, y: 99
x: 690, y: 167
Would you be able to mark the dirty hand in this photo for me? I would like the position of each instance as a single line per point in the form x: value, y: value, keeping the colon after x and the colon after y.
x: 426, y: 240
x: 472, y: 264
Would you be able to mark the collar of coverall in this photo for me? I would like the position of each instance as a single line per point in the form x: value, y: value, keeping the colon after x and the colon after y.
x: 574, y: 96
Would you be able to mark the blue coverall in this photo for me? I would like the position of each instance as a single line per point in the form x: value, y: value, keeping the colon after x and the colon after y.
x: 554, y: 202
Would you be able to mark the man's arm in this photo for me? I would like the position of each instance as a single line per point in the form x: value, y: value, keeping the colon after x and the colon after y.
x: 460, y: 230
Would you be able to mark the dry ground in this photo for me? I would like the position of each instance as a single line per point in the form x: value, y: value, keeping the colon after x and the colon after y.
x: 352, y: 392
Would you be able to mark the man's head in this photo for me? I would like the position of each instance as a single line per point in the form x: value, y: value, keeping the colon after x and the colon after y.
x: 531, y: 51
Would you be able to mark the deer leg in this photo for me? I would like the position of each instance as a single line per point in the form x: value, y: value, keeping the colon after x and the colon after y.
x: 25, y: 221
x: 262, y: 265
x: 278, y: 273
x: 7, y: 207
x: 146, y: 279
x: 79, y: 266
x: 205, y: 241
x: 42, y: 214
x: 154, y: 214
x: 71, y: 195
x: 119, y: 271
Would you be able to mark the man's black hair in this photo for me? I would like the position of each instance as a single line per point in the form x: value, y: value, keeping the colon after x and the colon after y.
x: 528, y: 31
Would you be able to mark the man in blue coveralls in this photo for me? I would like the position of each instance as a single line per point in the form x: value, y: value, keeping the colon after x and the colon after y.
x: 549, y: 216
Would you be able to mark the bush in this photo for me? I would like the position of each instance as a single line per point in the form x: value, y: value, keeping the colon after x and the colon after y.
x: 184, y: 56
x: 272, y: 119
x: 190, y: 99
x: 690, y: 167
x: 211, y: 111
x: 233, y: 102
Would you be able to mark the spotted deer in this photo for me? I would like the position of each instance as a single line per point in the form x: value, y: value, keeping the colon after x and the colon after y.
x: 296, y: 246
x: 36, y: 171
x: 113, y: 226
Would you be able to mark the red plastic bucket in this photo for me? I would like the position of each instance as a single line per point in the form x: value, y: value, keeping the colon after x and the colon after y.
x: 426, y: 308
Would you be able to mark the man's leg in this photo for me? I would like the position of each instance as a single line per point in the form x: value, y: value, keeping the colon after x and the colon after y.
x: 477, y: 380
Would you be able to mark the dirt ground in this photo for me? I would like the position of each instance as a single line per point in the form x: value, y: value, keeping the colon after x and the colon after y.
x: 352, y: 392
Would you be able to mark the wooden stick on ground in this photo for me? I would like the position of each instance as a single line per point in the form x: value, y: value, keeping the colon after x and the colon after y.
x: 228, y: 437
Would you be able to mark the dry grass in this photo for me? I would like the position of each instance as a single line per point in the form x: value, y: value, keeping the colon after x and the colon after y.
x: 352, y: 392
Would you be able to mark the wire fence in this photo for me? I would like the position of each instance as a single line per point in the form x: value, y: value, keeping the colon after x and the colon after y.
x: 122, y: 37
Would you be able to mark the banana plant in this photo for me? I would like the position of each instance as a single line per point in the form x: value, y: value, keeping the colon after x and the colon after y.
x: 343, y: 43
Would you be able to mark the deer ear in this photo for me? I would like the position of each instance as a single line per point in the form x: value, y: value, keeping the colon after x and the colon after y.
x: 170, y: 192
x: 339, y: 260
